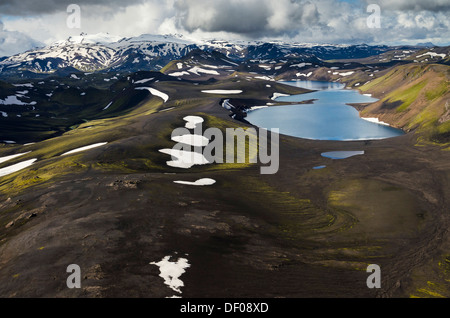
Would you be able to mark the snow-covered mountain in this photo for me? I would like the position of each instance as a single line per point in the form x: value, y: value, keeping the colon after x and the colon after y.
x: 100, y: 52
x: 278, y: 49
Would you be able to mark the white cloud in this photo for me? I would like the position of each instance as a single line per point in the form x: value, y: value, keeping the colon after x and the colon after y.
x: 130, y: 21
x: 13, y: 42
x: 331, y: 21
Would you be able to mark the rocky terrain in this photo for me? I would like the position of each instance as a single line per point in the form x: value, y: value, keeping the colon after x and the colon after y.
x: 119, y: 211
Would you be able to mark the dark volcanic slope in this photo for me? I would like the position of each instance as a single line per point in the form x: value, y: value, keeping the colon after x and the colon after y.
x: 299, y: 233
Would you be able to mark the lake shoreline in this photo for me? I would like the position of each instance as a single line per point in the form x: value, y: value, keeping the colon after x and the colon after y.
x: 301, y: 233
x: 328, y: 119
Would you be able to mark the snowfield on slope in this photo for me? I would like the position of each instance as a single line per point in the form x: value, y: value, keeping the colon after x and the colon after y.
x: 375, y: 120
x: 144, y: 81
x: 13, y: 100
x: 155, y: 92
x: 276, y: 95
x: 200, y: 182
x: 432, y: 54
x: 171, y: 272
x: 84, y: 148
x: 184, y: 159
x: 192, y: 140
x: 196, y: 70
x: 192, y: 121
x: 16, y: 167
x: 222, y: 91
x: 179, y: 74
x: 3, y: 159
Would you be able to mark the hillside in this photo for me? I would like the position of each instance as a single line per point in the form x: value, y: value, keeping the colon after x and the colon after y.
x: 35, y: 110
x: 97, y: 187
x: 415, y: 98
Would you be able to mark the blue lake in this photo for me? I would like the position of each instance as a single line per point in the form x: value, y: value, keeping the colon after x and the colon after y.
x: 342, y: 154
x: 329, y: 118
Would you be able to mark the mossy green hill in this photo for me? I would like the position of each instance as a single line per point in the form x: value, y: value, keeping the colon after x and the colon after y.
x: 413, y: 97
x: 115, y: 209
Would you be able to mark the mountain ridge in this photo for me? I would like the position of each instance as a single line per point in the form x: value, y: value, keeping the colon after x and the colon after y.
x: 103, y: 52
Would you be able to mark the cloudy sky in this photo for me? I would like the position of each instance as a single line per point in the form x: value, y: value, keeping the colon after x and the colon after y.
x: 28, y: 23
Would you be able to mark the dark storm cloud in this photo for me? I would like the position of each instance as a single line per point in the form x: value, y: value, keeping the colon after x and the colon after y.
x: 245, y: 17
x: 314, y: 21
x: 32, y: 7
x: 235, y: 17
x: 413, y: 5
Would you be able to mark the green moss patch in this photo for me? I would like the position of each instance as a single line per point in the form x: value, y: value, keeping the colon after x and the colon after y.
x: 382, y: 211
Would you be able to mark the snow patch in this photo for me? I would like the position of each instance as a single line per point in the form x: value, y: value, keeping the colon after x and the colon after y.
x: 210, y: 66
x: 171, y: 272
x: 16, y: 167
x: 107, y: 106
x: 432, y: 54
x: 265, y: 78
x: 24, y: 85
x: 300, y: 65
x: 155, y: 92
x: 84, y: 148
x: 267, y: 68
x: 375, y: 120
x: 3, y: 159
x: 229, y: 62
x: 222, y: 91
x: 304, y: 74
x: 227, y: 105
x: 184, y: 159
x: 166, y: 110
x: 258, y: 107
x: 178, y: 74
x: 200, y: 182
x: 144, y: 81
x: 196, y: 70
x: 346, y: 73
x: 192, y: 121
x: 13, y: 100
x: 192, y: 140
x: 276, y: 95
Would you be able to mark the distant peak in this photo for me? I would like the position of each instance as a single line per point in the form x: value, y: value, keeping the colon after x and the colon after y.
x: 426, y: 44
